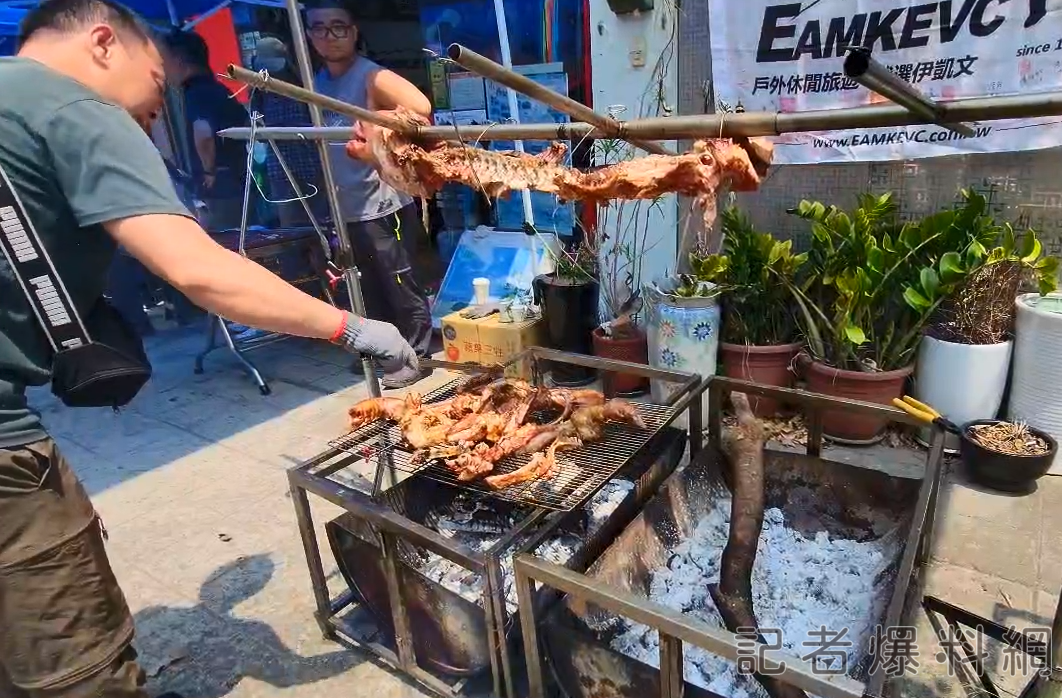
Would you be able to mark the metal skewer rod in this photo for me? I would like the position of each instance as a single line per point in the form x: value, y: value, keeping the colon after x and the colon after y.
x: 746, y: 124
x: 859, y: 66
x: 264, y: 81
x: 481, y: 65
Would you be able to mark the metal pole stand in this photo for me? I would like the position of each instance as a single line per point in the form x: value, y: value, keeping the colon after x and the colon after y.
x: 216, y: 322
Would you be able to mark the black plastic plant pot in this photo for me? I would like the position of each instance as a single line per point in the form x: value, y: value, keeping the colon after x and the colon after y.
x: 569, y: 313
x: 1001, y: 471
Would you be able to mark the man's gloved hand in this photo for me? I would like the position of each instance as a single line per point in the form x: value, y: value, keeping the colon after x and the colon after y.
x: 380, y: 340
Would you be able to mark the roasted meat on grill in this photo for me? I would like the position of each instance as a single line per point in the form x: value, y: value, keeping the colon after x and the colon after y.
x: 422, y: 169
x: 542, y: 465
x: 479, y: 427
x: 393, y: 408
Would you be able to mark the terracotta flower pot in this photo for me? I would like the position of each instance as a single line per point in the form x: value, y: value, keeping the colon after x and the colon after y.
x: 634, y: 349
x: 766, y: 365
x: 855, y: 385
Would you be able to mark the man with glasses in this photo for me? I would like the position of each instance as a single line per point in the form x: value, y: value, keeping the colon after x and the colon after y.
x: 382, y: 224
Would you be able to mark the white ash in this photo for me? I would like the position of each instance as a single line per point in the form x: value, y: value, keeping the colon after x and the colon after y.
x: 799, y: 584
x: 558, y: 550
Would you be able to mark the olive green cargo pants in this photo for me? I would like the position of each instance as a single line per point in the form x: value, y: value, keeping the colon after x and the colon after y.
x: 65, y: 628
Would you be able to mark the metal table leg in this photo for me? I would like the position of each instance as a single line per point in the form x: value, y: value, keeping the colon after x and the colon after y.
x: 211, y: 344
x: 215, y: 323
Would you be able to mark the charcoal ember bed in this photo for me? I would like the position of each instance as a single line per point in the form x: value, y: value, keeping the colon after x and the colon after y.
x: 829, y: 551
x: 447, y: 604
x: 485, y: 532
x: 579, y: 472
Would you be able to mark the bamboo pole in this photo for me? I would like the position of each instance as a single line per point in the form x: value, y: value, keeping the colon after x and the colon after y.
x: 746, y: 124
x: 481, y: 65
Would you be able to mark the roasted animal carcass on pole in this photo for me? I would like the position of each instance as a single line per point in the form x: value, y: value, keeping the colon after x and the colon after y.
x: 421, y: 169
x: 485, y: 422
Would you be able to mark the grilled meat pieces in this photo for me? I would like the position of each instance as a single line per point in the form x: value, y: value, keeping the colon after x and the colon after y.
x: 479, y: 427
x: 393, y: 408
x: 541, y: 465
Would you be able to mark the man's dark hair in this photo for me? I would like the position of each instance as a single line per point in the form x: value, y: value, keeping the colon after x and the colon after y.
x: 330, y: 5
x: 70, y: 15
x: 189, y: 48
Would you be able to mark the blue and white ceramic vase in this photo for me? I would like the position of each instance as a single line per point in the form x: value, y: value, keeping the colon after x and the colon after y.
x: 683, y: 334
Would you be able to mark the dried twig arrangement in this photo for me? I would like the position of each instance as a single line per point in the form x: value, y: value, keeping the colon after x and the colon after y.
x: 1009, y: 439
x: 743, y: 447
x: 982, y: 310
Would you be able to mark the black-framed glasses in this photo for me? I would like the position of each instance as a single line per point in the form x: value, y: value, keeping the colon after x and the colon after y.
x: 323, y: 31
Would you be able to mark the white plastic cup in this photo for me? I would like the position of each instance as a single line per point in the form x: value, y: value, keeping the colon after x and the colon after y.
x: 481, y: 287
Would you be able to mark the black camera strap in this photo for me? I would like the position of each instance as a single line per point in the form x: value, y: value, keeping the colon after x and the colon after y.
x: 33, y: 268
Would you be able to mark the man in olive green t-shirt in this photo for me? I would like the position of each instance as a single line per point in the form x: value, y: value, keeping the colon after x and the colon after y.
x: 74, y: 105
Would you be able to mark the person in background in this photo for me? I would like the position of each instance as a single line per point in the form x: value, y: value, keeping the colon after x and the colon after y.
x: 129, y: 283
x: 383, y: 224
x: 302, y: 158
x: 76, y: 105
x: 219, y: 165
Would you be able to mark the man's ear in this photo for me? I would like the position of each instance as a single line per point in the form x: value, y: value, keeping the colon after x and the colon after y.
x: 102, y: 41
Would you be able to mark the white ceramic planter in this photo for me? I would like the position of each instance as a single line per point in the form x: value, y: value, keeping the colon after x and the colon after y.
x: 1036, y: 389
x: 683, y: 335
x: 963, y: 382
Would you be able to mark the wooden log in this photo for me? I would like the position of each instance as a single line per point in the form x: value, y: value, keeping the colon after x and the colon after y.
x: 743, y: 448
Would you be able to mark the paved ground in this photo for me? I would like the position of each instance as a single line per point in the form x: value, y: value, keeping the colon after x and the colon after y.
x: 190, y: 481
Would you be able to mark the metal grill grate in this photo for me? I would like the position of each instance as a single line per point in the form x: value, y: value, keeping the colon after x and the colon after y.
x: 580, y: 472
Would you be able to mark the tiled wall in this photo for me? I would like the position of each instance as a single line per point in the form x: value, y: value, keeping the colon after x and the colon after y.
x: 1022, y: 187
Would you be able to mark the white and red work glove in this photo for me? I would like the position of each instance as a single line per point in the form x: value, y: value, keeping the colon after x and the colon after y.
x: 381, y: 340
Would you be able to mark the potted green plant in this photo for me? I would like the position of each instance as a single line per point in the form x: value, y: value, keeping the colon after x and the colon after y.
x: 620, y: 336
x: 569, y: 298
x: 872, y: 286
x: 964, y: 358
x: 759, y: 334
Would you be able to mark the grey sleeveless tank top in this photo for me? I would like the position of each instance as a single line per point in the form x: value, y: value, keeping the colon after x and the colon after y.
x: 362, y: 195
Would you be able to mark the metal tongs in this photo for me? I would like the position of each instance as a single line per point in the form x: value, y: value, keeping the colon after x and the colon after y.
x: 926, y: 414
x: 474, y: 369
x: 466, y: 367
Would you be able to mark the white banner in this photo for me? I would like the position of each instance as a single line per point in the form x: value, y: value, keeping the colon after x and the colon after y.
x: 780, y: 55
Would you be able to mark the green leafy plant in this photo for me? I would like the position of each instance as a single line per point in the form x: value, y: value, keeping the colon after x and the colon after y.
x: 875, y: 283
x: 981, y: 309
x: 706, y: 271
x: 755, y: 272
x: 577, y: 263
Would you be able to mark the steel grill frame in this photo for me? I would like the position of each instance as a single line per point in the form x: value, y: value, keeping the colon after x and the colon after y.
x: 588, y: 467
x: 393, y: 531
x: 533, y: 574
